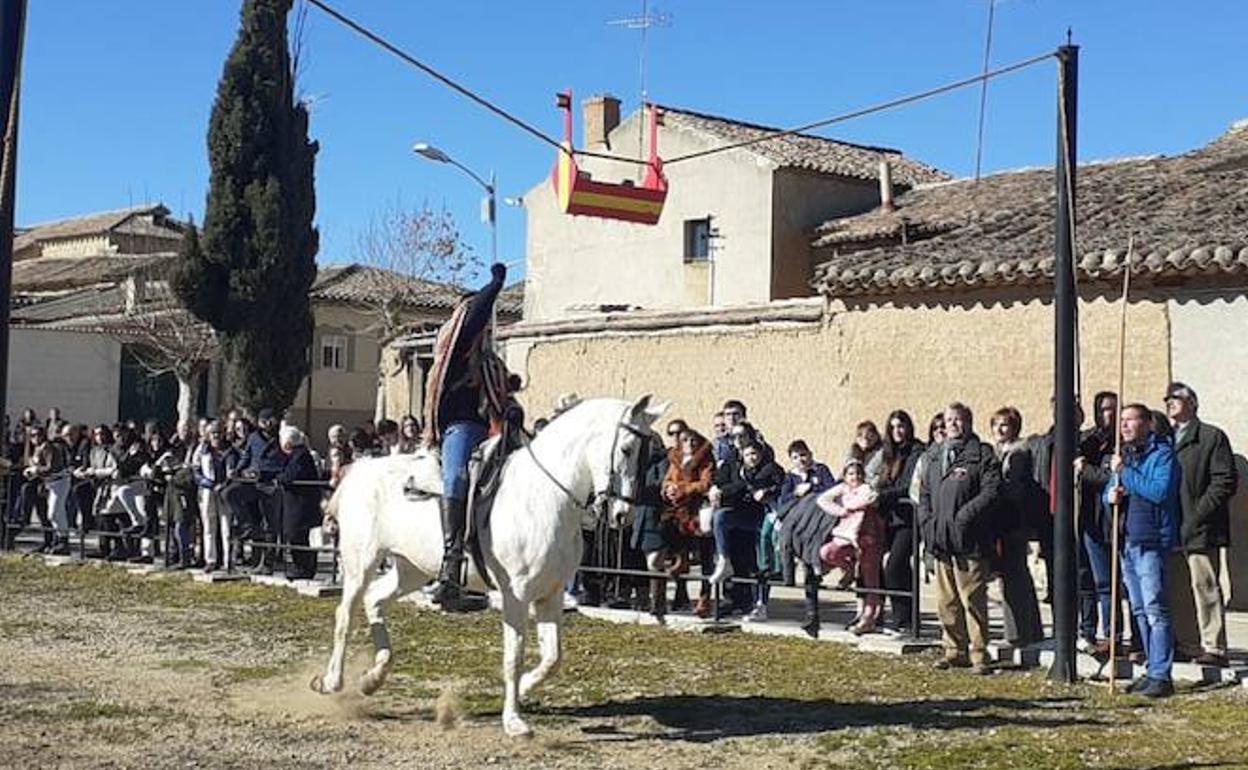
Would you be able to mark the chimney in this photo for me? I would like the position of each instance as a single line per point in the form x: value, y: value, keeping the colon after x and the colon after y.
x: 886, y: 186
x: 601, y: 116
x: 132, y: 290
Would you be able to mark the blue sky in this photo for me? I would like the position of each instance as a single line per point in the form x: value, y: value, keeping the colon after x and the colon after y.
x: 117, y: 94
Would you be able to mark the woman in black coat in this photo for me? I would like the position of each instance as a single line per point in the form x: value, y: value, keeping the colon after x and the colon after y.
x: 900, y: 457
x: 301, y: 502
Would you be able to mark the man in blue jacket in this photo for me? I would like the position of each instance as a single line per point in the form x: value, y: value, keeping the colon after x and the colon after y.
x: 254, y: 498
x: 1145, y: 483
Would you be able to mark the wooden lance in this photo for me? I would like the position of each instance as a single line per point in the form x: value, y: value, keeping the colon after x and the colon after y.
x: 1113, y: 556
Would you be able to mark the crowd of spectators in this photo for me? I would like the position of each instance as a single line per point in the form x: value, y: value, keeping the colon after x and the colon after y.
x: 233, y: 492
x: 229, y: 489
x: 725, y: 503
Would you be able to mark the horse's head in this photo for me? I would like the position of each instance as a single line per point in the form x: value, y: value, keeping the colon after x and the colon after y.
x: 629, y: 447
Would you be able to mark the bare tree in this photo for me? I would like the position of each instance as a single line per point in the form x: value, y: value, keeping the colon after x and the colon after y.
x: 165, y: 338
x: 420, y: 253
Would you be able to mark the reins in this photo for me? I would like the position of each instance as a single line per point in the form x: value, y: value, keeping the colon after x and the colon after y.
x: 608, y: 494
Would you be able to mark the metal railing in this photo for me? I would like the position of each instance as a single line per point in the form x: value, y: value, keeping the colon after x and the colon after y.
x: 612, y: 567
x: 913, y: 594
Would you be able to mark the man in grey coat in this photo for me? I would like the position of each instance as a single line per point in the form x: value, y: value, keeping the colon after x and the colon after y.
x: 960, y: 489
x: 1208, y: 483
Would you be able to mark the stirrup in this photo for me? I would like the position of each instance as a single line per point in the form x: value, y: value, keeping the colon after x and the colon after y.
x: 445, y: 592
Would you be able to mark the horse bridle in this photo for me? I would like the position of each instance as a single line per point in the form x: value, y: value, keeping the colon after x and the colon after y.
x: 612, y: 492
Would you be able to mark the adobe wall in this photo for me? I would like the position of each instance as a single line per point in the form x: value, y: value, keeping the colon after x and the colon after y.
x: 817, y: 380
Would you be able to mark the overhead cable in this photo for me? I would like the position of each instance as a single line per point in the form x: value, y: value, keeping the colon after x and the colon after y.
x: 537, y: 133
x: 881, y: 107
x: 373, y: 37
x: 983, y: 93
x: 431, y: 72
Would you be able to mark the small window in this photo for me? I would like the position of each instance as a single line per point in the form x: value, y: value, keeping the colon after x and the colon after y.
x: 697, y: 240
x: 334, y: 352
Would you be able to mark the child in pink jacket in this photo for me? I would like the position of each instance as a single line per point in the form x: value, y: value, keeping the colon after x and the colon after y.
x: 857, y: 536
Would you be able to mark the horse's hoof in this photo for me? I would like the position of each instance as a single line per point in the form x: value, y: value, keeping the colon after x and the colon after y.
x: 317, y: 684
x: 369, y: 684
x: 515, y: 727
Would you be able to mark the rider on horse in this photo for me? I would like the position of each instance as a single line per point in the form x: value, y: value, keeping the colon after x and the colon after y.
x: 467, y: 390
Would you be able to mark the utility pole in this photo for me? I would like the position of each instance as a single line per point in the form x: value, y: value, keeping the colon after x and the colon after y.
x: 1064, y: 386
x: 12, y: 28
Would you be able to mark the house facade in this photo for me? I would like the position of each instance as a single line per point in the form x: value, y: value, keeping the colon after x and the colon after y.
x: 735, y: 227
x: 948, y: 295
x: 85, y: 310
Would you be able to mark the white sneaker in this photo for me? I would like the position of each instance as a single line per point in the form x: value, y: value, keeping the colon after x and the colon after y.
x: 758, y: 614
x: 570, y: 601
x: 1085, y: 646
x: 723, y: 570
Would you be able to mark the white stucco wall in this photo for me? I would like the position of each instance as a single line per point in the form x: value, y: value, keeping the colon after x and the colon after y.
x: 1209, y: 352
x: 80, y: 373
x: 589, y: 261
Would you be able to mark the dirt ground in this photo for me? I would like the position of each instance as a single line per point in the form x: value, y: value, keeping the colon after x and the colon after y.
x: 101, y: 669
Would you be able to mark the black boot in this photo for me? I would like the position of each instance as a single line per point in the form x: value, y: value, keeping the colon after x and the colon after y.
x: 658, y: 597
x: 449, y: 589
x: 810, y: 620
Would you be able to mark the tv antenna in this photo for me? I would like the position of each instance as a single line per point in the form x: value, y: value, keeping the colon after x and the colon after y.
x: 649, y: 17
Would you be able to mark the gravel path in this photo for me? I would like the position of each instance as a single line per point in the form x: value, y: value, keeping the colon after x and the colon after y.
x: 94, y: 682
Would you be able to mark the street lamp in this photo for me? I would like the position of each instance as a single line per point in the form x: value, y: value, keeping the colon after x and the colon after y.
x: 429, y: 152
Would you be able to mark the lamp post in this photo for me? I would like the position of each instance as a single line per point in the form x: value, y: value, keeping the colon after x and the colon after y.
x: 488, y: 212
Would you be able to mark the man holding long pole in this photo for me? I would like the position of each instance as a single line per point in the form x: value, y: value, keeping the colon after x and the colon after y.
x: 1146, y: 485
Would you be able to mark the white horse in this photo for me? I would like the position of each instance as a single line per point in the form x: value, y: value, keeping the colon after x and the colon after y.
x: 586, y: 460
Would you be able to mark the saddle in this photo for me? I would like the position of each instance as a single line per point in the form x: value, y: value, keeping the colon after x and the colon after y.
x: 485, y: 474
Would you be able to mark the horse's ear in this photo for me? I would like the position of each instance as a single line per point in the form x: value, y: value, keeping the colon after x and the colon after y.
x: 644, y: 413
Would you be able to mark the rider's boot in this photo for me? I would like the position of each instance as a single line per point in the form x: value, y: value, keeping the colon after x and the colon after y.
x: 454, y: 519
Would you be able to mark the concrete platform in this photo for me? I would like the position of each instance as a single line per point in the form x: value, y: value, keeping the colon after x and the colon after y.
x: 674, y: 621
x: 216, y: 576
x: 143, y: 569
x: 313, y: 588
x: 62, y: 561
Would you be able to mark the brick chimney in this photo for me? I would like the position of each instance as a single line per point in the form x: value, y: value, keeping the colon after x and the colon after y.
x: 601, y: 116
x: 886, y: 186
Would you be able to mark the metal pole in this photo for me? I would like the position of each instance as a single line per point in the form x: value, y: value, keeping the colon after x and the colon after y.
x: 1064, y: 668
x: 12, y: 28
x: 916, y: 615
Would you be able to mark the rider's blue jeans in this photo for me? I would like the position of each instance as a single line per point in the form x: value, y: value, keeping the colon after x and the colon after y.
x: 458, y: 441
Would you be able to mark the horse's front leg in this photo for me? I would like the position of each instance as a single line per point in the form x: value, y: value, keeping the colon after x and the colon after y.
x: 549, y: 612
x: 352, y: 587
x: 515, y: 614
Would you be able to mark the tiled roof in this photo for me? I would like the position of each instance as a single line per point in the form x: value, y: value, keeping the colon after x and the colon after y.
x: 335, y: 283
x: 355, y: 283
x: 89, y: 224
x: 61, y: 273
x: 813, y: 153
x: 1188, y: 215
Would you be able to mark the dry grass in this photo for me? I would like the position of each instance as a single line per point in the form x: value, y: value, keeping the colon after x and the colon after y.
x: 626, y: 697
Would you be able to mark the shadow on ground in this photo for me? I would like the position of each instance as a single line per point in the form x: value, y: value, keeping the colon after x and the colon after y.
x: 705, y: 718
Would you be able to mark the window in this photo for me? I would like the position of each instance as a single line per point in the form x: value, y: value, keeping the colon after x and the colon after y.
x: 697, y: 240
x: 334, y: 352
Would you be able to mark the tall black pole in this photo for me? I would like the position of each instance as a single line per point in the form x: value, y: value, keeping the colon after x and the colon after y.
x: 1064, y: 386
x: 12, y: 26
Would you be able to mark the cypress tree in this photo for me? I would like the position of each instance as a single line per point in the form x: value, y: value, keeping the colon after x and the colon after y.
x: 249, y: 274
